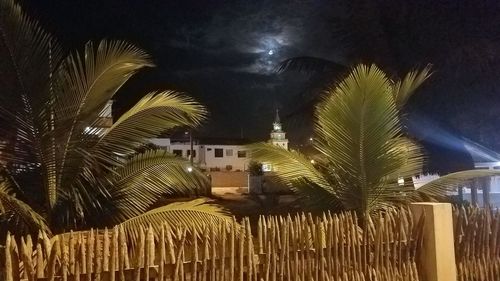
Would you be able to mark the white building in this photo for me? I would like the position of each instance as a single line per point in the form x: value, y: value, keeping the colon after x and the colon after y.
x: 220, y: 154
x: 210, y: 154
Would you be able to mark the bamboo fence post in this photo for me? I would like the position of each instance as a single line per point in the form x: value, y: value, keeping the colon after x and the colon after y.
x: 39, y: 257
x: 213, y: 248
x: 29, y: 271
x: 122, y: 253
x: 273, y: 249
x: 163, y: 254
x: 149, y: 251
x: 8, y: 259
x: 105, y: 251
x: 52, y: 260
x: 194, y: 274
x: 139, y: 257
x: 171, y: 249
x: 178, y: 262
x: 259, y: 235
x: 223, y: 252
x: 98, y: 258
x: 268, y: 261
x: 232, y: 250
x: 241, y: 250
x: 282, y: 253
x: 113, y: 254
x: 90, y: 254
x: 64, y: 258
x: 205, y: 255
x: 250, y: 257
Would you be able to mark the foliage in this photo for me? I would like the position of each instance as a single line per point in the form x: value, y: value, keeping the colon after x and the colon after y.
x: 68, y: 170
x: 255, y: 168
x: 362, y: 151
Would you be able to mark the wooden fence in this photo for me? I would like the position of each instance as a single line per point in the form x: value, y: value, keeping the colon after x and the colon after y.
x: 301, y: 247
x: 477, y: 244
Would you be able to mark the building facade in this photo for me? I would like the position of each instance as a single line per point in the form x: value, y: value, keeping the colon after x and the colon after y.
x: 209, y: 154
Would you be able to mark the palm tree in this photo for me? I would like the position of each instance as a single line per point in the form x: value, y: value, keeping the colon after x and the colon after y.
x: 61, y: 169
x: 362, y: 153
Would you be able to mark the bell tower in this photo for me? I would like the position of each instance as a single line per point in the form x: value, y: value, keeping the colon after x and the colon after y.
x: 278, y: 136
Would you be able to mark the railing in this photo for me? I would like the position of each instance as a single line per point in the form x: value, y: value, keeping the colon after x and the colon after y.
x: 302, y: 247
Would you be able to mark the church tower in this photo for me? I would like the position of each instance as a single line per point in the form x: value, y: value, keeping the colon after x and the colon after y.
x: 278, y: 136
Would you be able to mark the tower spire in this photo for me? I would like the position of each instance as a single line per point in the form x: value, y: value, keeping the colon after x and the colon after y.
x: 277, y: 134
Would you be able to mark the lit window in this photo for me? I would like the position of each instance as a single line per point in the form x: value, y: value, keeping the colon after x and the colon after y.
x: 229, y: 152
x: 401, y: 181
x: 266, y: 167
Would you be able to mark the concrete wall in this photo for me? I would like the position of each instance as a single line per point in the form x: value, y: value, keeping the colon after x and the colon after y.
x: 229, y: 179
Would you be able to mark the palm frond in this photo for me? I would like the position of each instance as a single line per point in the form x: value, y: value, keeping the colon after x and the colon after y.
x: 404, y: 88
x: 196, y: 214
x: 290, y: 166
x: 29, y: 59
x: 357, y: 123
x: 152, y: 115
x: 17, y: 216
x: 148, y: 176
x: 310, y: 65
x: 86, y: 83
x: 25, y: 46
x: 442, y: 186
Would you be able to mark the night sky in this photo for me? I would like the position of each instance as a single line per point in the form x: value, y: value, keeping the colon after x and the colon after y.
x: 224, y: 53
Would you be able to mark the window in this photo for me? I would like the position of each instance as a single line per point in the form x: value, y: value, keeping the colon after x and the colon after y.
x: 219, y: 153
x: 267, y: 167
x: 177, y: 152
x: 242, y: 154
x: 229, y: 152
x: 188, y: 152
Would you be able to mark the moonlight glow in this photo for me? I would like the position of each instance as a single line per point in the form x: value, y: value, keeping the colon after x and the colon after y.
x: 271, y: 52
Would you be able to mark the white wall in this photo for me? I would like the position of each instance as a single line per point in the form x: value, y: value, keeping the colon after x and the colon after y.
x: 228, y: 158
x: 205, y: 154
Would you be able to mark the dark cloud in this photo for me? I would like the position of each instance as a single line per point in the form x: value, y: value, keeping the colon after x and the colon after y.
x: 224, y: 52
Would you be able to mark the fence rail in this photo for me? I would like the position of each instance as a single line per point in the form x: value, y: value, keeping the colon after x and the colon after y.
x: 477, y: 244
x: 301, y: 247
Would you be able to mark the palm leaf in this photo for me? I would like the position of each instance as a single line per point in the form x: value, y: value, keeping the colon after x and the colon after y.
x: 310, y: 65
x: 358, y: 128
x: 404, y: 88
x: 290, y: 166
x: 17, y: 216
x: 29, y: 58
x: 148, y: 176
x: 442, y: 186
x: 196, y: 214
x: 86, y: 83
x: 152, y: 115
